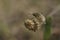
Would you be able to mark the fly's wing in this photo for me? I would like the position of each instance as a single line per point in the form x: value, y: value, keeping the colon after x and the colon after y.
x: 43, y: 19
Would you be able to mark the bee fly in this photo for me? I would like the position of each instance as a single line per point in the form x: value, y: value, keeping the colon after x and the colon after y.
x: 35, y: 23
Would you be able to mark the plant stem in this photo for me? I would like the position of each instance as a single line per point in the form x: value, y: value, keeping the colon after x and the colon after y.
x: 47, y: 30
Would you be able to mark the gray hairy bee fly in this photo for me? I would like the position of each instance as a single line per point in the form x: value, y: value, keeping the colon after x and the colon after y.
x: 35, y: 23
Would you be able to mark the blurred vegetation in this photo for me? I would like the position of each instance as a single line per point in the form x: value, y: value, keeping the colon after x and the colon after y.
x: 47, y: 30
x: 5, y: 33
x: 8, y: 7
